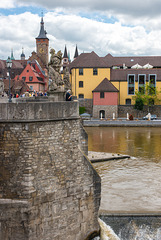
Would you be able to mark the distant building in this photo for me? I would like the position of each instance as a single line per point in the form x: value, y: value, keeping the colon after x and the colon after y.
x: 65, y: 59
x: 17, y: 87
x: 42, y: 45
x: 105, y: 100
x: 34, y: 77
x: 127, y: 74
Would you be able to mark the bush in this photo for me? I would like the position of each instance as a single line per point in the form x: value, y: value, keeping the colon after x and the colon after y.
x: 82, y: 110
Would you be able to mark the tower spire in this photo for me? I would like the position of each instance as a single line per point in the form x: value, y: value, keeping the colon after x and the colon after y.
x: 42, y: 33
x: 76, y: 52
x: 65, y: 52
x: 12, y: 57
x: 22, y: 54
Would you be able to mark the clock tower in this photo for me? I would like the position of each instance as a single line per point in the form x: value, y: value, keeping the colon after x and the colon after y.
x: 42, y: 45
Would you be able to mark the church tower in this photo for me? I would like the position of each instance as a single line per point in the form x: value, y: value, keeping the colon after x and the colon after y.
x: 76, y: 53
x: 65, y: 58
x: 22, y: 55
x: 42, y: 45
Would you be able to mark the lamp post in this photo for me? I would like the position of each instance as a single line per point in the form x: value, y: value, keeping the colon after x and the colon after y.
x: 9, y: 65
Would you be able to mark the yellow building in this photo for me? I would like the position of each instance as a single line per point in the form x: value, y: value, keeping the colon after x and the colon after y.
x: 127, y: 74
x: 86, y: 72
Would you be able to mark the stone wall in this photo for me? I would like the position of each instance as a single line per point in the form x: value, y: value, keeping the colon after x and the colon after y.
x: 109, y: 110
x: 87, y: 103
x: 121, y: 110
x: 48, y: 188
x: 124, y: 109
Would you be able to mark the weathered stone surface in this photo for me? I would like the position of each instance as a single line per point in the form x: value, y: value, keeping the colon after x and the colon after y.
x: 53, y: 189
x: 35, y: 111
x: 109, y: 110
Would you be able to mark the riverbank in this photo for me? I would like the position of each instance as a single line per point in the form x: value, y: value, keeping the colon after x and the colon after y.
x: 121, y: 123
x: 102, y: 156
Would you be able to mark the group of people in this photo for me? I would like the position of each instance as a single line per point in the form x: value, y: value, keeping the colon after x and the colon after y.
x: 35, y: 94
x: 29, y: 94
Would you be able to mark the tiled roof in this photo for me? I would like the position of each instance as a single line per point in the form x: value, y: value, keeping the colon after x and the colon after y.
x: 88, y: 60
x: 15, y: 85
x: 105, y: 86
x: 155, y: 61
x: 2, y: 64
x: 121, y: 74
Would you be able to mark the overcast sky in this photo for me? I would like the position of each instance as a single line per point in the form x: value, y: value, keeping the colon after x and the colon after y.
x: 119, y: 27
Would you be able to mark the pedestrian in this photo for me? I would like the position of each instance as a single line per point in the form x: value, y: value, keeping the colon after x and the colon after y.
x: 68, y: 96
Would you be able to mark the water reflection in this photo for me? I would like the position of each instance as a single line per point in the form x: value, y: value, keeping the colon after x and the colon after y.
x: 129, y: 185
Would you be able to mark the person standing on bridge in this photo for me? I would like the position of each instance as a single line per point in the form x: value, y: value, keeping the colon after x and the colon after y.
x: 68, y: 96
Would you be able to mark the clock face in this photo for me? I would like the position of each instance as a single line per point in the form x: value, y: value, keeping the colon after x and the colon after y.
x: 41, y: 50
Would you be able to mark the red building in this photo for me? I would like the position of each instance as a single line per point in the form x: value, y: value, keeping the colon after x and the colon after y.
x: 34, y: 76
x: 105, y: 100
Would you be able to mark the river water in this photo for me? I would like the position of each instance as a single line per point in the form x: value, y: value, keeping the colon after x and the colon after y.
x: 129, y: 185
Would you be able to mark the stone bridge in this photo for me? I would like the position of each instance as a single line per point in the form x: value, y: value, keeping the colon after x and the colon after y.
x: 48, y: 188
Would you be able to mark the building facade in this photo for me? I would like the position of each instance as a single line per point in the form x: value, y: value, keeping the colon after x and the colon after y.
x: 34, y: 76
x: 105, y: 100
x: 127, y: 74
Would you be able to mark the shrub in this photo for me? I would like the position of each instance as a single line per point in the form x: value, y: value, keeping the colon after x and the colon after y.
x: 82, y: 110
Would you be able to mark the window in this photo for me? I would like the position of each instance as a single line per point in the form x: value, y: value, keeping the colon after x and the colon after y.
x: 31, y: 87
x: 128, y: 101
x: 141, y: 83
x: 102, y: 95
x: 81, y: 84
x: 81, y: 95
x: 27, y: 70
x: 152, y: 83
x: 95, y: 72
x: 80, y: 71
x: 24, y: 78
x: 131, y: 84
x: 30, y: 78
x: 152, y: 79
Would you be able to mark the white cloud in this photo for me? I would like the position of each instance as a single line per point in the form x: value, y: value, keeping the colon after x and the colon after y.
x: 135, y: 8
x: 19, y: 31
x: 7, y: 4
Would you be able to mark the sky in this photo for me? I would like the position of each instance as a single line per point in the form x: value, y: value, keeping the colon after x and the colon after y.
x: 118, y: 27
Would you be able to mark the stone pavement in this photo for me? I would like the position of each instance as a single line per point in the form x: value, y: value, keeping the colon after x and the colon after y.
x: 102, y: 156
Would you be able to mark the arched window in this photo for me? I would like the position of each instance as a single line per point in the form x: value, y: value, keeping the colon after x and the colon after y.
x: 102, y: 114
x: 128, y: 101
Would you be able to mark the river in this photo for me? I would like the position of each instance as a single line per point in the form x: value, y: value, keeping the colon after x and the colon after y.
x: 129, y: 185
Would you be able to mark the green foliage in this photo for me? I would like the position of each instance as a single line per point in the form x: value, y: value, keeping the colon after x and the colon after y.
x: 139, y: 104
x: 147, y: 95
x: 82, y: 110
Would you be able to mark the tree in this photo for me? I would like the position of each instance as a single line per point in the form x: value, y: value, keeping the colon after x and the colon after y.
x: 139, y: 104
x: 147, y: 95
